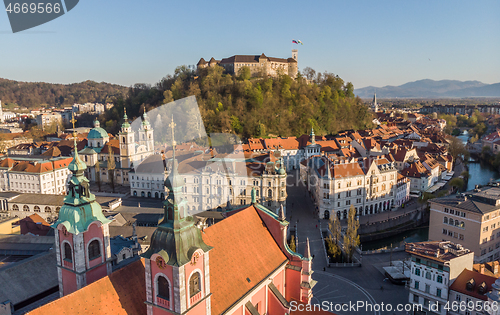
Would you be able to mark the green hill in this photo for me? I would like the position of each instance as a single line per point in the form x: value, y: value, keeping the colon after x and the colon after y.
x: 252, y: 107
x: 34, y: 94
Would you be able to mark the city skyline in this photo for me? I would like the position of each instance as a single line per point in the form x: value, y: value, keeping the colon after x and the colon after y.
x: 366, y: 43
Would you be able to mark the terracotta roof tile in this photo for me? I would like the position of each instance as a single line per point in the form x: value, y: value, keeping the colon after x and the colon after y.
x: 239, y: 253
x: 122, y: 292
x: 460, y: 284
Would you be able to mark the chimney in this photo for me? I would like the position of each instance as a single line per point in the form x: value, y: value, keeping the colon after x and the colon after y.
x: 495, y: 267
x: 481, y: 268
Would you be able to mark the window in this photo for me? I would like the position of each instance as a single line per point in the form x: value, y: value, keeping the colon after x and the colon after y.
x: 445, y: 220
x: 417, y: 272
x: 417, y: 285
x: 446, y: 210
x: 94, y: 250
x: 427, y: 288
x: 270, y: 193
x: 461, y: 237
x: 484, y: 240
x: 36, y: 209
x: 163, y: 288
x: 415, y: 298
x: 15, y: 208
x: 427, y: 275
x: 452, y: 211
x: 26, y: 208
x: 47, y: 209
x: 439, y: 279
x: 458, y: 298
x: 194, y: 284
x: 445, y: 231
x: 67, y: 252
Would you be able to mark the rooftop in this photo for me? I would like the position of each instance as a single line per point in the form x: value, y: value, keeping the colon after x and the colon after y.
x: 440, y: 251
x: 482, y: 201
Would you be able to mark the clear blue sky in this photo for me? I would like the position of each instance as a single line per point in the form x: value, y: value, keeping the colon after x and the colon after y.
x: 366, y: 42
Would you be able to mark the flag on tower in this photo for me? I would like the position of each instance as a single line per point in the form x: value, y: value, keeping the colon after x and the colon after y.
x: 297, y: 42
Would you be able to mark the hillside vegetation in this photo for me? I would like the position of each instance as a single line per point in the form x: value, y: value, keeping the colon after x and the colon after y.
x: 34, y: 94
x: 252, y: 107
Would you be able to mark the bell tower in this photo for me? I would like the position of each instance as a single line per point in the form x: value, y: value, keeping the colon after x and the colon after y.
x: 81, y: 234
x: 126, y: 139
x: 177, y: 262
x: 147, y: 133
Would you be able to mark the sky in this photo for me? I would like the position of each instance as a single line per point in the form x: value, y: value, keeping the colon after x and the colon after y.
x: 368, y: 43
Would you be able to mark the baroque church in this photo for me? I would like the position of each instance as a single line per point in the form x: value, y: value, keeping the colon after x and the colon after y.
x: 241, y: 265
x: 128, y: 150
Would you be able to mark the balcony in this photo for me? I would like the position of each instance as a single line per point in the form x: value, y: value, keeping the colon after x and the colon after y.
x: 162, y: 302
x: 195, y: 298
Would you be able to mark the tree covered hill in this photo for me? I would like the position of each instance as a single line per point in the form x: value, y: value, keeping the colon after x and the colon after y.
x: 34, y: 94
x: 252, y: 107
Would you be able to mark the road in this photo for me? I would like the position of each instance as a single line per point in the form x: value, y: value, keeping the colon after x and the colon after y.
x: 343, y: 285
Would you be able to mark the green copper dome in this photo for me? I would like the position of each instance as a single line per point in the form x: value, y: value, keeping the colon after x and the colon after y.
x: 80, y: 208
x: 97, y: 132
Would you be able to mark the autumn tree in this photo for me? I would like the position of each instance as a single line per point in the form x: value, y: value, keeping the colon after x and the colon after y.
x: 292, y: 244
x: 333, y: 239
x: 351, y: 237
x: 111, y: 167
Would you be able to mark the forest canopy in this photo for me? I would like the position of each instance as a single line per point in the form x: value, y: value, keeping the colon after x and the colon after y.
x: 252, y: 106
x: 34, y: 94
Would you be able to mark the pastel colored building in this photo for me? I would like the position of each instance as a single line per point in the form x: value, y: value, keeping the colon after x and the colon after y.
x: 222, y: 269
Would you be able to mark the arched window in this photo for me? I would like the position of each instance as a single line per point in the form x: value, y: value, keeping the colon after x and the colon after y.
x: 67, y: 252
x: 149, y: 194
x: 15, y: 208
x: 135, y: 193
x: 194, y: 284
x: 456, y: 223
x: 36, y: 209
x: 142, y: 194
x: 462, y: 224
x: 445, y: 220
x: 163, y: 288
x: 47, y: 209
x: 26, y: 208
x: 94, y: 250
x: 156, y: 195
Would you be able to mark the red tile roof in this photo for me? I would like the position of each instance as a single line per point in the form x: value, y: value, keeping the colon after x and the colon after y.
x: 460, y: 284
x: 122, y: 292
x: 240, y: 252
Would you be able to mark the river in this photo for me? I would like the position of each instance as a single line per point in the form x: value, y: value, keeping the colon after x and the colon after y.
x: 479, y: 175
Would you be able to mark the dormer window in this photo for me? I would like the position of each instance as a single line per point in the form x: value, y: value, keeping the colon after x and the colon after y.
x: 483, y: 288
x: 470, y: 285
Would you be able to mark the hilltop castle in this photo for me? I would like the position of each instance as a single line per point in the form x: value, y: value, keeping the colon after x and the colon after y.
x: 259, y: 65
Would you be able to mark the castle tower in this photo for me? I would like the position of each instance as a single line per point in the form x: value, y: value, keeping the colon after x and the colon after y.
x: 127, y: 146
x: 295, y: 54
x: 177, y: 262
x: 82, y: 234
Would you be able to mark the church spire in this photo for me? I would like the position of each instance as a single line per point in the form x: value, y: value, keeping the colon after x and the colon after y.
x: 313, y: 137
x: 80, y: 208
x: 176, y: 237
x: 308, y: 250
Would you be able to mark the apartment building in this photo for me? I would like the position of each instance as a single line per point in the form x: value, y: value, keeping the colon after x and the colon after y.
x: 215, y: 182
x: 471, y: 219
x: 468, y: 293
x: 48, y: 119
x: 369, y: 184
x: 434, y: 267
x: 34, y: 175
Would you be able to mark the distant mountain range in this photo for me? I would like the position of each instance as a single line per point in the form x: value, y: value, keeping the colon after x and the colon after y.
x: 432, y: 89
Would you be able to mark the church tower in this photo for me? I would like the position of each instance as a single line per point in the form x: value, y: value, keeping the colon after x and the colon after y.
x: 176, y: 263
x: 81, y: 234
x: 127, y: 145
x: 374, y: 103
x: 146, y: 134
